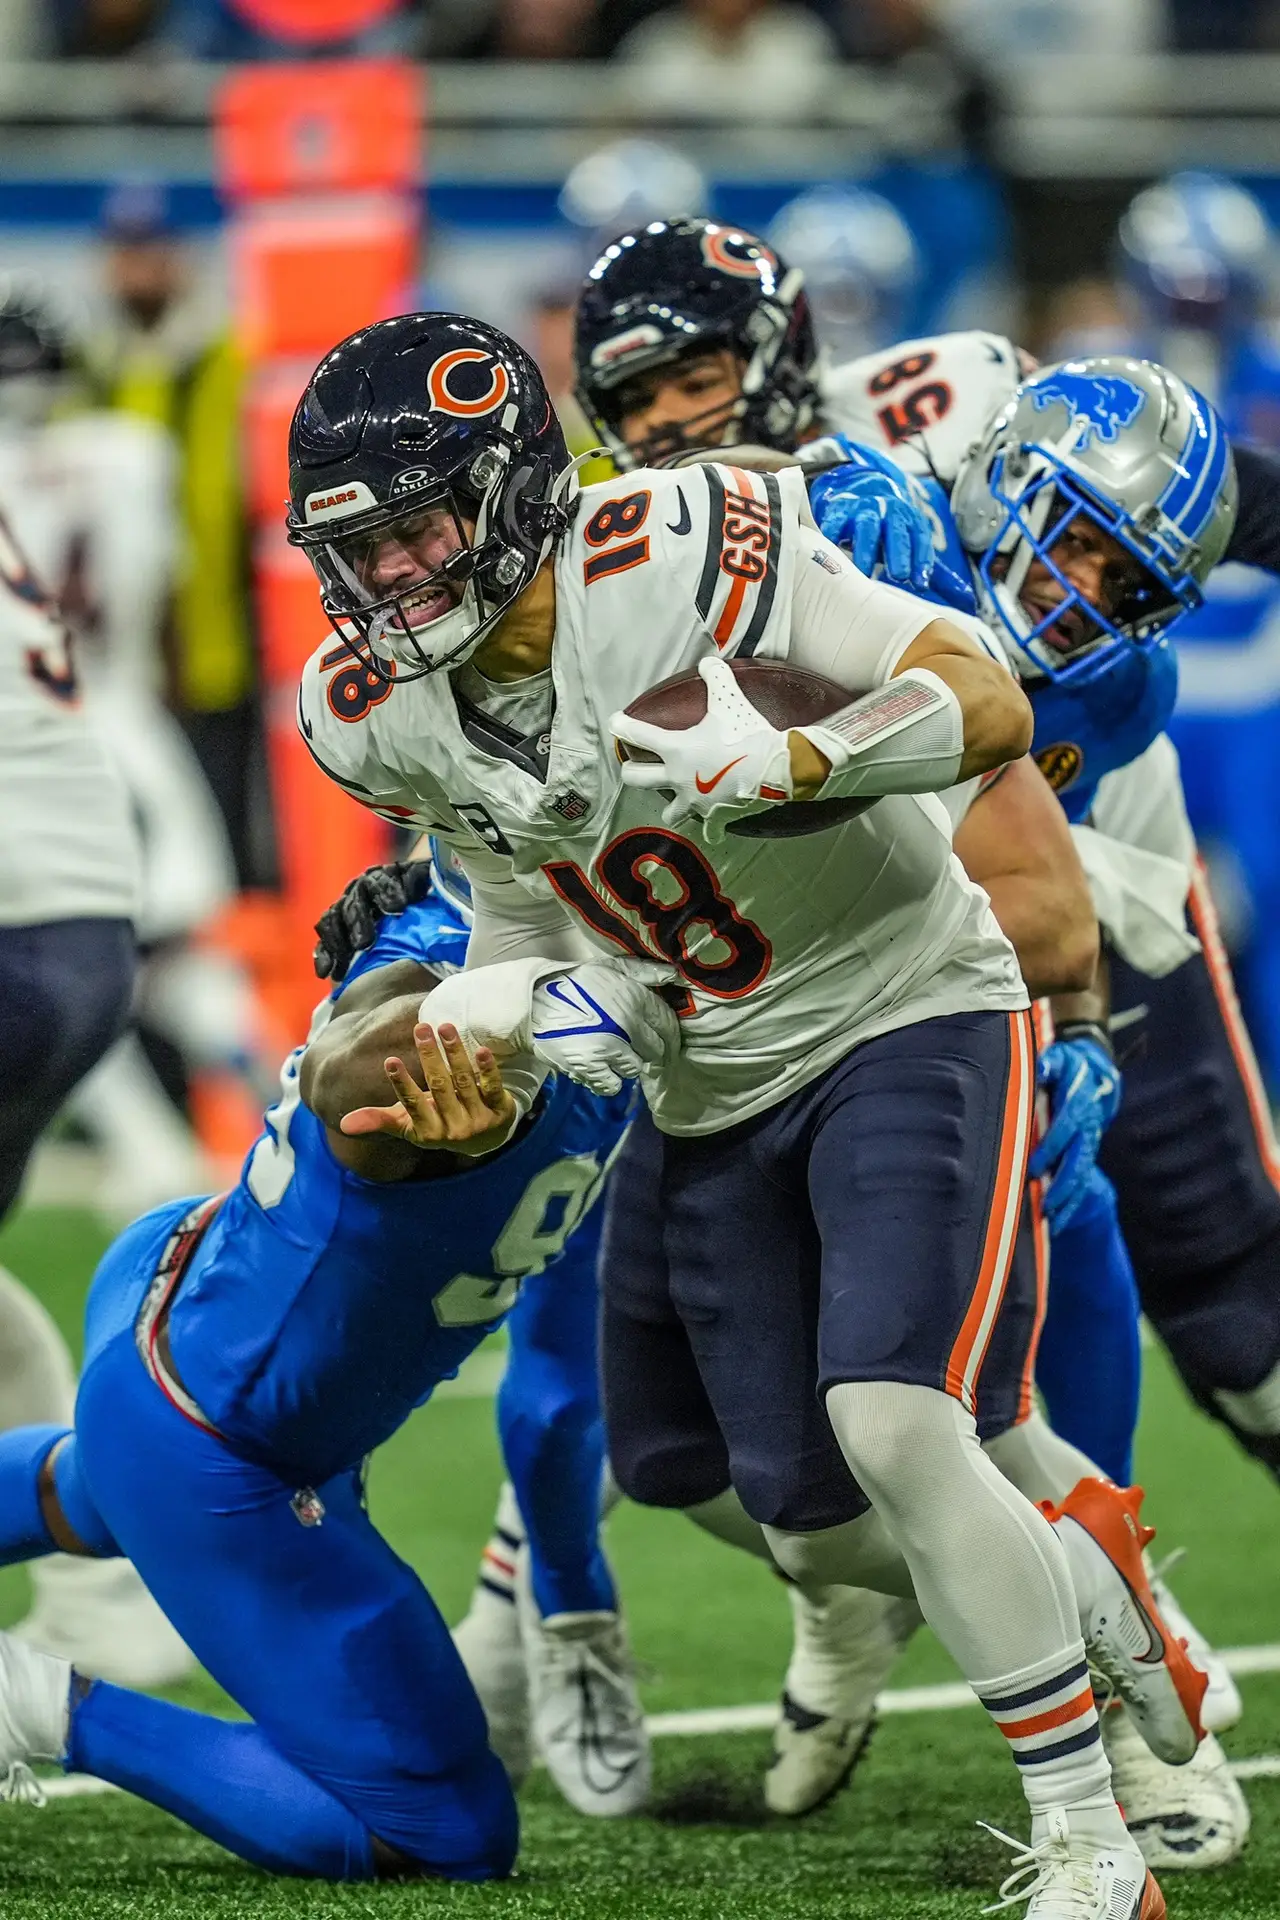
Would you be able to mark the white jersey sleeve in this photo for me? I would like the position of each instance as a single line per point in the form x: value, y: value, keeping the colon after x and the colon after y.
x: 1139, y: 854
x: 924, y: 401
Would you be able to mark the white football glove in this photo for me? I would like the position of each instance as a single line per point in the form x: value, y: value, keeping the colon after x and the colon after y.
x: 602, y: 1023
x: 732, y: 762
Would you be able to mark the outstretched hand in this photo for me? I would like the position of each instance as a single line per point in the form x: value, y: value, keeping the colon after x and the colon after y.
x: 463, y: 1108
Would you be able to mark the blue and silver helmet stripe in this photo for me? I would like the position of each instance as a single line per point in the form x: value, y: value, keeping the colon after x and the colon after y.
x: 1191, y: 495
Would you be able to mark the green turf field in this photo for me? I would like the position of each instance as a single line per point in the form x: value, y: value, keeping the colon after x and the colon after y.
x: 711, y: 1628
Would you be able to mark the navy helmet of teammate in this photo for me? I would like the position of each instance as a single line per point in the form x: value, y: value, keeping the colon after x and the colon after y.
x: 722, y: 306
x: 425, y: 441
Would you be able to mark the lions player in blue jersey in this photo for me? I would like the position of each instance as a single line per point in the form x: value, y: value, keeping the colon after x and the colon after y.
x: 543, y: 1641
x: 244, y: 1353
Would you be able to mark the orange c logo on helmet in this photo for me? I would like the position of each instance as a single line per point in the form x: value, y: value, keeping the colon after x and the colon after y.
x: 716, y: 245
x: 443, y: 400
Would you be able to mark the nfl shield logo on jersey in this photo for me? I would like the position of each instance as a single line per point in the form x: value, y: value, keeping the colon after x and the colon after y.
x: 571, y: 805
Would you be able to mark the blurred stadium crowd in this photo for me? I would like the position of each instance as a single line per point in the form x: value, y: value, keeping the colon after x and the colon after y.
x: 120, y: 279
x: 680, y: 43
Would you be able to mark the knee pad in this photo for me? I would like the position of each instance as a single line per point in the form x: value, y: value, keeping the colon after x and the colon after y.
x: 656, y: 1473
x: 23, y: 1530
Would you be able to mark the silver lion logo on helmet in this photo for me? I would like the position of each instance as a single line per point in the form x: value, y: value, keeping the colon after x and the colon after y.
x: 1099, y: 404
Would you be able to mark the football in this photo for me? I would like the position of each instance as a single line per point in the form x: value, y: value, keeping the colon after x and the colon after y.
x: 787, y: 696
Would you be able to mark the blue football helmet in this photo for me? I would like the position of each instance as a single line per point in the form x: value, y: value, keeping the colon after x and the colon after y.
x: 627, y: 184
x: 1139, y: 454
x: 860, y: 263
x: 1197, y: 250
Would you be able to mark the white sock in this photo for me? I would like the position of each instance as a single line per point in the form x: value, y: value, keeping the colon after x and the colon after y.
x: 1039, y: 1462
x: 496, y: 1579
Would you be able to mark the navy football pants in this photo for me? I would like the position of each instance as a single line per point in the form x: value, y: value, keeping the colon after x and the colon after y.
x: 1193, y: 1160
x: 864, y: 1229
x: 65, y: 990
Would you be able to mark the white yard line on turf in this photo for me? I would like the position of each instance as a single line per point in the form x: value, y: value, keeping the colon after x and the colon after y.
x: 946, y: 1698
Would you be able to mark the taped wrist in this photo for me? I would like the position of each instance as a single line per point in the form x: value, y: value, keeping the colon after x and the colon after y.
x: 904, y: 737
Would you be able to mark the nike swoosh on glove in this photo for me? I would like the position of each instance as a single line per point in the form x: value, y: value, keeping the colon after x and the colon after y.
x: 602, y: 1023
x: 1084, y: 1088
x: 732, y: 762
x: 872, y: 509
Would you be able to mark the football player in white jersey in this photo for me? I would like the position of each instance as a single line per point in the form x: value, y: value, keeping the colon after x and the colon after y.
x: 855, y: 1024
x: 68, y: 895
x: 676, y: 349
x: 91, y: 496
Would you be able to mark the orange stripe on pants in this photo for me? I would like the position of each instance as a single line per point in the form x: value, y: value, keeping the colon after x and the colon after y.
x: 1204, y: 918
x: 967, y: 1355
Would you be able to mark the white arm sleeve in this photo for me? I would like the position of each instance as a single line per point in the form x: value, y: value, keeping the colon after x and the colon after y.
x: 512, y: 924
x: 852, y: 629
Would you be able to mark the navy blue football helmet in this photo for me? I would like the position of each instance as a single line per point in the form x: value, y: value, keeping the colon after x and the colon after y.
x: 428, y: 481
x: 675, y: 288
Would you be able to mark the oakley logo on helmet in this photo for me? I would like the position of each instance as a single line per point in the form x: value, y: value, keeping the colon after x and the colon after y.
x: 413, y: 479
x: 634, y: 340
x: 735, y: 253
x: 342, y: 501
x: 454, y: 392
x: 1100, y: 404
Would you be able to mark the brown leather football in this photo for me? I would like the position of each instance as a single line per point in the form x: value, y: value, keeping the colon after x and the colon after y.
x: 787, y: 696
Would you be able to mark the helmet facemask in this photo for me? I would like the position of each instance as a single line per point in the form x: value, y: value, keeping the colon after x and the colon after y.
x: 475, y: 540
x: 774, y: 403
x: 1040, y: 500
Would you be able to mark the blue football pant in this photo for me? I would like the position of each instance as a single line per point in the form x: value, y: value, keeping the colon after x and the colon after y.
x: 1089, y: 1367
x: 551, y: 1425
x: 367, y: 1750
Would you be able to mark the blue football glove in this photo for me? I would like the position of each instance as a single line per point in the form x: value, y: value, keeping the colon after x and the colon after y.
x: 870, y: 507
x: 1084, y: 1087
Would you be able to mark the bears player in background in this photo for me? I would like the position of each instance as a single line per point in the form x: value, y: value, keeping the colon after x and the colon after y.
x: 244, y: 1353
x: 923, y: 404
x: 497, y: 632
x: 69, y: 875
x: 567, y: 1689
x: 91, y: 497
x: 676, y: 350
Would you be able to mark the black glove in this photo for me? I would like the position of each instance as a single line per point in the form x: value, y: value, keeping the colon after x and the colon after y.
x: 351, y: 923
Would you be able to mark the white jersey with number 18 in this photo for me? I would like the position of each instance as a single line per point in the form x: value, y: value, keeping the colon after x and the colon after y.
x: 788, y: 952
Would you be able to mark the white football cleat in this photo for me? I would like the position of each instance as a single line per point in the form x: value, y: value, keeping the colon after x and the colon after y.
x: 846, y: 1643
x: 1185, y: 1819
x: 493, y: 1654
x: 99, y: 1615
x: 1130, y: 1646
x: 1074, y: 1876
x: 587, y: 1721
x: 35, y: 1709
x: 1222, y: 1706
